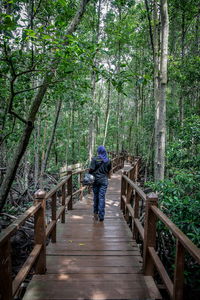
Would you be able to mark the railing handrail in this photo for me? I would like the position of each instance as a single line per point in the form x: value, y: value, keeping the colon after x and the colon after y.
x: 148, y: 233
x: 56, y: 188
x: 138, y: 190
x: 185, y: 241
x: 15, y: 225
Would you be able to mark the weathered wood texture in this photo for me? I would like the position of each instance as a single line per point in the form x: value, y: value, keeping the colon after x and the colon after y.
x: 93, y: 260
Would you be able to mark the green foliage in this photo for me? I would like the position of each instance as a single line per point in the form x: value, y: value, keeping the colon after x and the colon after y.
x: 184, y: 152
x: 179, y: 199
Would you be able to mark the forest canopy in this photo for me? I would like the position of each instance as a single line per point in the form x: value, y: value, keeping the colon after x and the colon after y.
x: 77, y: 74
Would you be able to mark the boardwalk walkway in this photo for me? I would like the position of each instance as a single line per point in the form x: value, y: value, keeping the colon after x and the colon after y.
x: 93, y: 260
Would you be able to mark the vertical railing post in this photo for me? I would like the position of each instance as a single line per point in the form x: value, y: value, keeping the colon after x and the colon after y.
x: 149, y: 233
x: 81, y: 186
x: 5, y: 271
x: 179, y: 272
x: 123, y: 192
x: 40, y: 231
x: 128, y: 197
x: 53, y: 216
x: 136, y: 213
x: 63, y: 202
x: 69, y: 189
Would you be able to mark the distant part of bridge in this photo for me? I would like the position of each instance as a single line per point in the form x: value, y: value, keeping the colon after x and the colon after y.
x: 87, y: 259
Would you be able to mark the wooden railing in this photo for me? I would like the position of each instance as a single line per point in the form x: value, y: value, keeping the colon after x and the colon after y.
x: 37, y: 257
x: 132, y: 198
x: 61, y: 197
x: 117, y: 163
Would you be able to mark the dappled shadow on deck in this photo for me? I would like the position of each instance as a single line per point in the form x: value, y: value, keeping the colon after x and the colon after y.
x: 93, y: 260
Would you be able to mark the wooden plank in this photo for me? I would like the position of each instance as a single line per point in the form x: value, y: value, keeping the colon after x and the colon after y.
x: 97, y: 290
x: 26, y: 268
x: 161, y: 269
x: 185, y: 241
x: 88, y: 246
x: 99, y: 270
x: 6, y: 233
x: 84, y: 246
x: 57, y: 263
x: 63, y: 252
x: 95, y: 277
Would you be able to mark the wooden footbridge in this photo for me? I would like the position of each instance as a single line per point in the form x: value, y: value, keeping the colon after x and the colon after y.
x: 87, y: 259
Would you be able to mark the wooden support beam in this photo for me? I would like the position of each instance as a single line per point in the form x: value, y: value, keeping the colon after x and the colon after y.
x: 69, y: 189
x: 179, y: 271
x: 63, y: 202
x: 53, y: 216
x: 149, y: 233
x: 40, y: 231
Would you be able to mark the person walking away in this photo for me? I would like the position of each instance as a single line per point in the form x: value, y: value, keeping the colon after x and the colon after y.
x: 100, y: 167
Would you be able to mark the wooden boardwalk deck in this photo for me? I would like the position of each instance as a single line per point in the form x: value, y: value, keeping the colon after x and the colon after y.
x: 93, y: 260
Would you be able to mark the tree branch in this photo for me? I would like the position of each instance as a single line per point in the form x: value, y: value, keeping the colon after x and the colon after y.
x: 27, y: 90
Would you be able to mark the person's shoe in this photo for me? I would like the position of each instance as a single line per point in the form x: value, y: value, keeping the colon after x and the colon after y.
x: 101, y: 220
x: 95, y: 217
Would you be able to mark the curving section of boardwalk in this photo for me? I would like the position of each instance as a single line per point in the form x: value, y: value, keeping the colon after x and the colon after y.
x: 93, y: 260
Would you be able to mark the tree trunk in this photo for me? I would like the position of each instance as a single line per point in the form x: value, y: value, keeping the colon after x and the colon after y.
x: 107, y: 114
x: 23, y: 143
x: 47, y: 152
x: 36, y: 153
x: 92, y: 129
x: 161, y: 121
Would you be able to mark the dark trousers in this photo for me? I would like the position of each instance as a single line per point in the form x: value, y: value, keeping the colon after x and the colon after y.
x: 99, y: 191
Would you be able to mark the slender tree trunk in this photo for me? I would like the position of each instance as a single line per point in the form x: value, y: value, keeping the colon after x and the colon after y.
x: 161, y: 125
x: 156, y: 80
x: 72, y: 131
x: 92, y: 120
x: 23, y: 143
x: 36, y: 153
x: 107, y: 113
x: 48, y: 150
x: 92, y: 128
x: 181, y: 100
x: 27, y: 167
